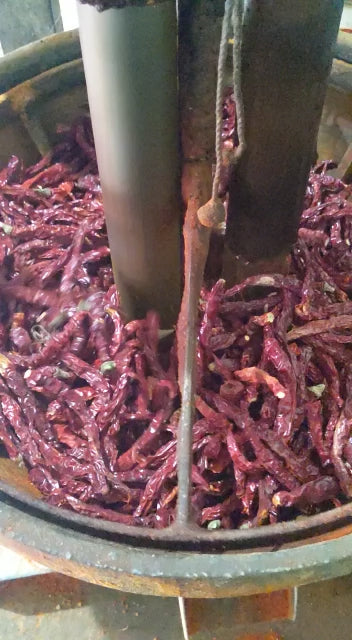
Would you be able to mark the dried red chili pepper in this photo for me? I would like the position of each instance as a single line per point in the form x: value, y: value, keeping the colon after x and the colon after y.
x: 321, y: 490
x: 88, y: 402
x: 341, y: 435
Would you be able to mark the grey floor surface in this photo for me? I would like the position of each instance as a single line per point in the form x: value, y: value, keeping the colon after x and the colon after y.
x: 54, y: 607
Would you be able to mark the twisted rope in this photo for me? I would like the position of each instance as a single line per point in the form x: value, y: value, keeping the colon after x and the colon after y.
x: 225, y: 34
x: 212, y: 214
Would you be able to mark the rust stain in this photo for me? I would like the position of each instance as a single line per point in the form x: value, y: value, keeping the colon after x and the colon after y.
x: 327, y: 536
x: 271, y: 635
x: 21, y: 96
x: 17, y: 477
x: 204, y: 614
x: 334, y: 535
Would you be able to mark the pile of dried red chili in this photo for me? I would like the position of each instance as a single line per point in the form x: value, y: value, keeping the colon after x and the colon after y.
x: 91, y: 405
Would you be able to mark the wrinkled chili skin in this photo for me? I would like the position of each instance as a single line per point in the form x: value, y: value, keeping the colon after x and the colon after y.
x: 90, y: 404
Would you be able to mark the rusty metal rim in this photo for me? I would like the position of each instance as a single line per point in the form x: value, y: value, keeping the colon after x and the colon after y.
x: 192, y: 538
x: 161, y: 572
x: 39, y: 56
x: 303, y: 530
x: 195, y: 539
x: 30, y: 91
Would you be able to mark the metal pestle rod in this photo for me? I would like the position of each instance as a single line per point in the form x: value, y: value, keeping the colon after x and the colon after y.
x: 130, y: 62
x: 286, y: 56
x: 196, y: 240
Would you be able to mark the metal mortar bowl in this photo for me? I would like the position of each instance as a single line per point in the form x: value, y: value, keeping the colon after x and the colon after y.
x: 42, y: 85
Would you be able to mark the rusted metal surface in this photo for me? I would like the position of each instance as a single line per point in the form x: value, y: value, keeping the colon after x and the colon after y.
x: 199, y: 35
x: 266, y: 635
x: 169, y: 572
x: 31, y: 110
x: 14, y: 475
x: 331, y: 525
x: 196, y: 245
x: 204, y: 615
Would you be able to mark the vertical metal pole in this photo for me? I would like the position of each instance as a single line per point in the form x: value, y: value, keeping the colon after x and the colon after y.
x: 196, y: 250
x: 286, y: 58
x: 199, y: 36
x: 130, y: 61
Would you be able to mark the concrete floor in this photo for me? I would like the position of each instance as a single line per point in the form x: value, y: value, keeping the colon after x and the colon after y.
x: 55, y: 607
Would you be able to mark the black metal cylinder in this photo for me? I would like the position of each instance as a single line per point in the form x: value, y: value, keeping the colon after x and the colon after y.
x: 286, y: 55
x: 130, y: 61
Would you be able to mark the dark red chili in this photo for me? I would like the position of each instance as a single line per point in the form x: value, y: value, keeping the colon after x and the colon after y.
x: 91, y: 404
